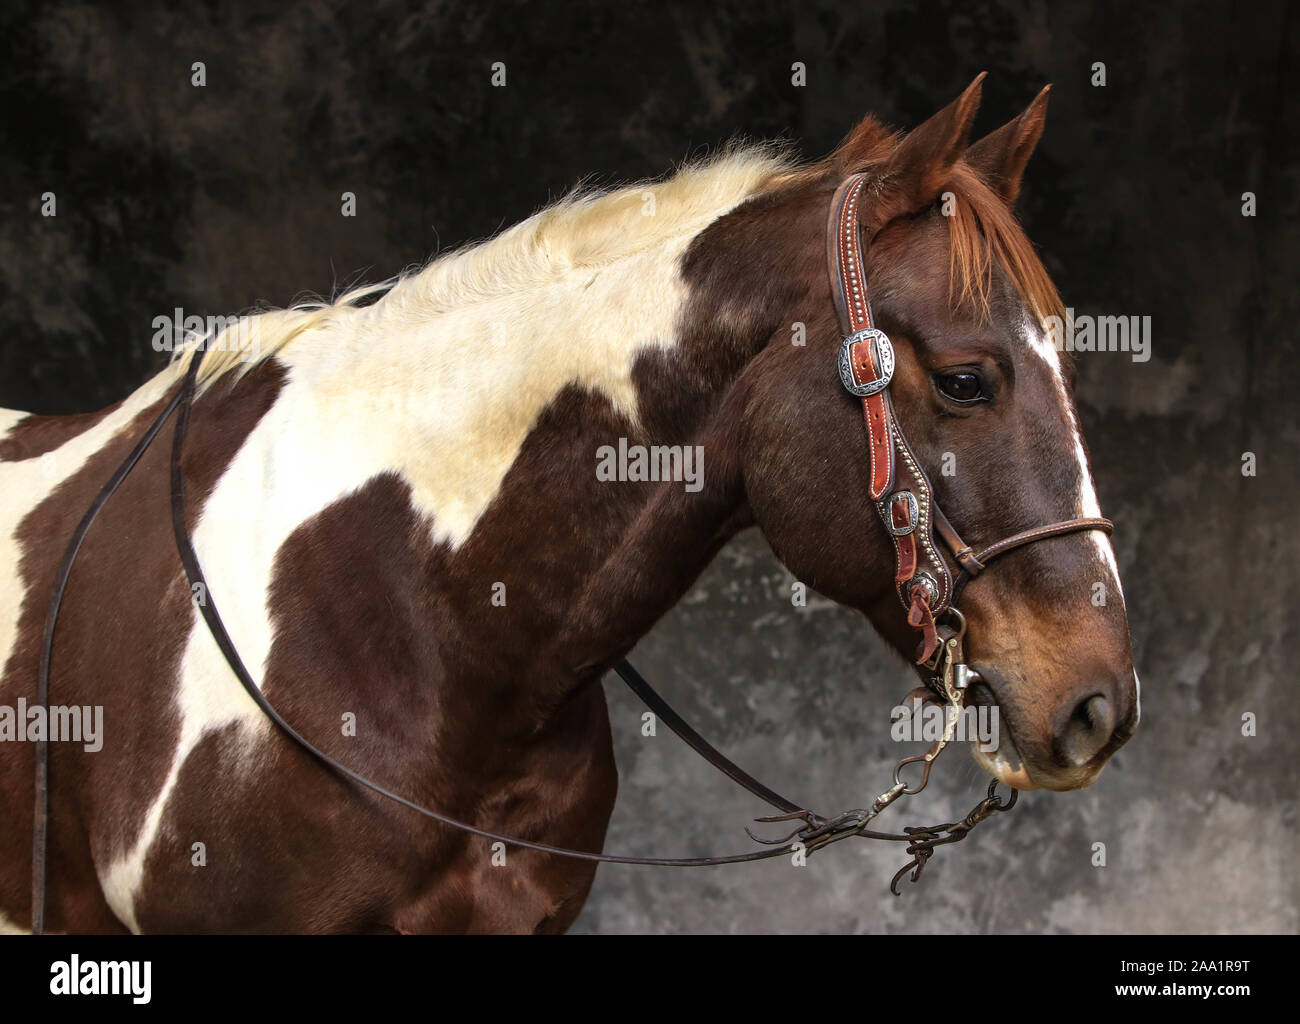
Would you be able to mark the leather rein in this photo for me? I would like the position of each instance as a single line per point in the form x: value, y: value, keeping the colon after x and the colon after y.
x: 927, y: 588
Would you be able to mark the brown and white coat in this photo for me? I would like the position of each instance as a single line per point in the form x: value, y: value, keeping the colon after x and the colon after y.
x: 357, y: 490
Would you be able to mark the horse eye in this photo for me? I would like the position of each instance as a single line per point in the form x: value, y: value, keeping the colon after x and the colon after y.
x: 964, y: 387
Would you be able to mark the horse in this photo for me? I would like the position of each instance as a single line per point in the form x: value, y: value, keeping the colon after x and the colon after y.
x: 399, y: 500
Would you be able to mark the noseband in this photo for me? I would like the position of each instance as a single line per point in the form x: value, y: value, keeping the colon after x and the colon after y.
x: 902, y: 495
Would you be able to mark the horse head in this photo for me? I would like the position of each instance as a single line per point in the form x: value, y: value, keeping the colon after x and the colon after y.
x: 986, y: 403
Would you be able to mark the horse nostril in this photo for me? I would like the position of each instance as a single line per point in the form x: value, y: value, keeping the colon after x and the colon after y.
x: 1089, y: 728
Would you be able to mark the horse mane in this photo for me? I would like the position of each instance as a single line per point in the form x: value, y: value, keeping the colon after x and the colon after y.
x: 589, y: 228
x: 585, y: 229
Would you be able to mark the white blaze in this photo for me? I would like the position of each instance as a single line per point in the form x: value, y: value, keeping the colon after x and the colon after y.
x: 1086, y: 504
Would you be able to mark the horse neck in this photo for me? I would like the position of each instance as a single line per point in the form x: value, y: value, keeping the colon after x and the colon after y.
x: 696, y: 394
x: 492, y: 412
x: 449, y: 400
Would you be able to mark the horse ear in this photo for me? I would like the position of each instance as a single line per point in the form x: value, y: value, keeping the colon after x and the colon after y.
x: 1001, y: 156
x: 918, y: 168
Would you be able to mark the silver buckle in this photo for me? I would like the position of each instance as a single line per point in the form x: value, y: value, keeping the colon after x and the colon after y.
x: 913, y: 513
x: 883, y: 352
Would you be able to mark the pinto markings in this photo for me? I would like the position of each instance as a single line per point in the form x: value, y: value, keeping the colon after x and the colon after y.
x: 28, y: 482
x: 348, y: 413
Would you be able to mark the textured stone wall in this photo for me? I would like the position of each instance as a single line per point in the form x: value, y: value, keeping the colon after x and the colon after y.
x: 219, y: 198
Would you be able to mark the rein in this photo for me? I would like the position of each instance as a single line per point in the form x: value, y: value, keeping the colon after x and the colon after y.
x: 925, y: 585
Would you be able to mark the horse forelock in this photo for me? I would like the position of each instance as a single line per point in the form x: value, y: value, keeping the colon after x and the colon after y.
x: 984, y: 233
x: 983, y: 230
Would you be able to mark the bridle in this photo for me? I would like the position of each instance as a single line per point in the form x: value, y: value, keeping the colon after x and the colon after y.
x: 927, y: 588
x: 898, y: 485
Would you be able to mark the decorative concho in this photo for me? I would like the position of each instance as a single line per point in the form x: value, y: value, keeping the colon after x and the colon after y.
x: 923, y: 579
x: 883, y: 352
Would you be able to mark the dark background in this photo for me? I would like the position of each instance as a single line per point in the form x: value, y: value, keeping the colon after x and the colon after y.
x: 226, y: 197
